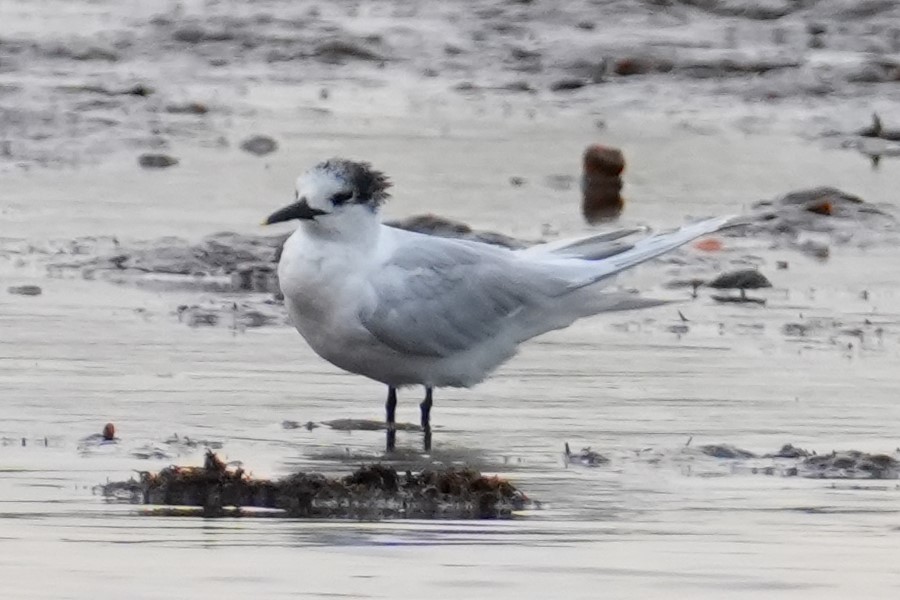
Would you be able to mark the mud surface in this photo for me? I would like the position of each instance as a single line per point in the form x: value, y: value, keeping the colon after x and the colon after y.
x: 83, y: 82
x: 480, y: 113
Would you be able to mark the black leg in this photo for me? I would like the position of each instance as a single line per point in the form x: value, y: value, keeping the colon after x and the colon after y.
x: 426, y: 418
x: 390, y: 409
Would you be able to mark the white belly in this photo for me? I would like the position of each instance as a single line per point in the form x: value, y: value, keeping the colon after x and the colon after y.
x: 324, y: 302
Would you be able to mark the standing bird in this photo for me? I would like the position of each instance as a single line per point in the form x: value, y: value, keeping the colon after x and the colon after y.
x: 407, y: 308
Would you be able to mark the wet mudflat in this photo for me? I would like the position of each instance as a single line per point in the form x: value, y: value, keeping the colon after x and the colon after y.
x: 670, y: 397
x: 814, y: 367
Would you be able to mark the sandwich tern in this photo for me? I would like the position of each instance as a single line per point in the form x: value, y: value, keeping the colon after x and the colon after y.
x: 406, y: 308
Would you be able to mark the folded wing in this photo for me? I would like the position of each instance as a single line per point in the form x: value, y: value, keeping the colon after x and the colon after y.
x: 438, y: 296
x: 443, y: 296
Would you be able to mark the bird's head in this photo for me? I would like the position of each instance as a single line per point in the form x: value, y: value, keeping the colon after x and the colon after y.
x: 334, y: 194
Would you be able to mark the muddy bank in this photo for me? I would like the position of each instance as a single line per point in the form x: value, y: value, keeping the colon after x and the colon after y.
x: 152, y: 81
x: 370, y: 492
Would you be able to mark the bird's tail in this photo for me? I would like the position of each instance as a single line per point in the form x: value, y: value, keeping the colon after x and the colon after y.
x: 580, y: 299
x: 595, y: 246
x: 653, y: 246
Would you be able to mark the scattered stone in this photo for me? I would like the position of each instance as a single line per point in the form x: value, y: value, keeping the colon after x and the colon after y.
x: 259, y: 145
x: 518, y: 86
x: 138, y: 89
x: 816, y: 28
x: 150, y: 452
x: 708, y: 244
x: 762, y: 10
x: 187, y: 443
x: 196, y: 34
x: 743, y: 280
x: 586, y: 457
x: 516, y: 181
x: 642, y: 65
x: 372, y: 491
x: 567, y: 85
x: 725, y: 451
x: 188, y: 108
x: 157, y: 161
x: 309, y: 425
x: 25, y: 290
x: 781, y: 265
x: 340, y: 51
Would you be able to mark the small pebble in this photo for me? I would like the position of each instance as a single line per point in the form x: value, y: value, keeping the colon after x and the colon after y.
x: 157, y: 161
x: 259, y: 145
x: 567, y: 85
x: 25, y: 290
x: 188, y: 108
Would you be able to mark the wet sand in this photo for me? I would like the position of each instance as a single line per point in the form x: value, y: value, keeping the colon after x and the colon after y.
x: 656, y: 517
x: 815, y: 367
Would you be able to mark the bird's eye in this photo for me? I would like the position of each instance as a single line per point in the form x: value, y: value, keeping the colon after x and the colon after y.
x: 341, y: 197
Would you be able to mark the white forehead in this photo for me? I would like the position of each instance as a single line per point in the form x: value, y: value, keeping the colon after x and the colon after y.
x: 317, y: 183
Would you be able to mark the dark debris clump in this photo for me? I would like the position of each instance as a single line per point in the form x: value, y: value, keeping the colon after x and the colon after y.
x: 851, y: 464
x: 725, y: 451
x: 372, y: 491
x: 799, y: 462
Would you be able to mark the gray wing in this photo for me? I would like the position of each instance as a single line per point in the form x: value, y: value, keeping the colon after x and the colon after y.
x: 440, y: 297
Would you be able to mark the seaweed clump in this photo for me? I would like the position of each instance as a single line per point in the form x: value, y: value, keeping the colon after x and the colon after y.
x: 372, y: 491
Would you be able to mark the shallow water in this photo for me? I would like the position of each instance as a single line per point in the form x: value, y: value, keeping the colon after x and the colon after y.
x: 658, y: 519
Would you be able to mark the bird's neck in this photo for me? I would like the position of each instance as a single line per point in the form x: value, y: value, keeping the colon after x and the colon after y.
x: 352, y: 232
